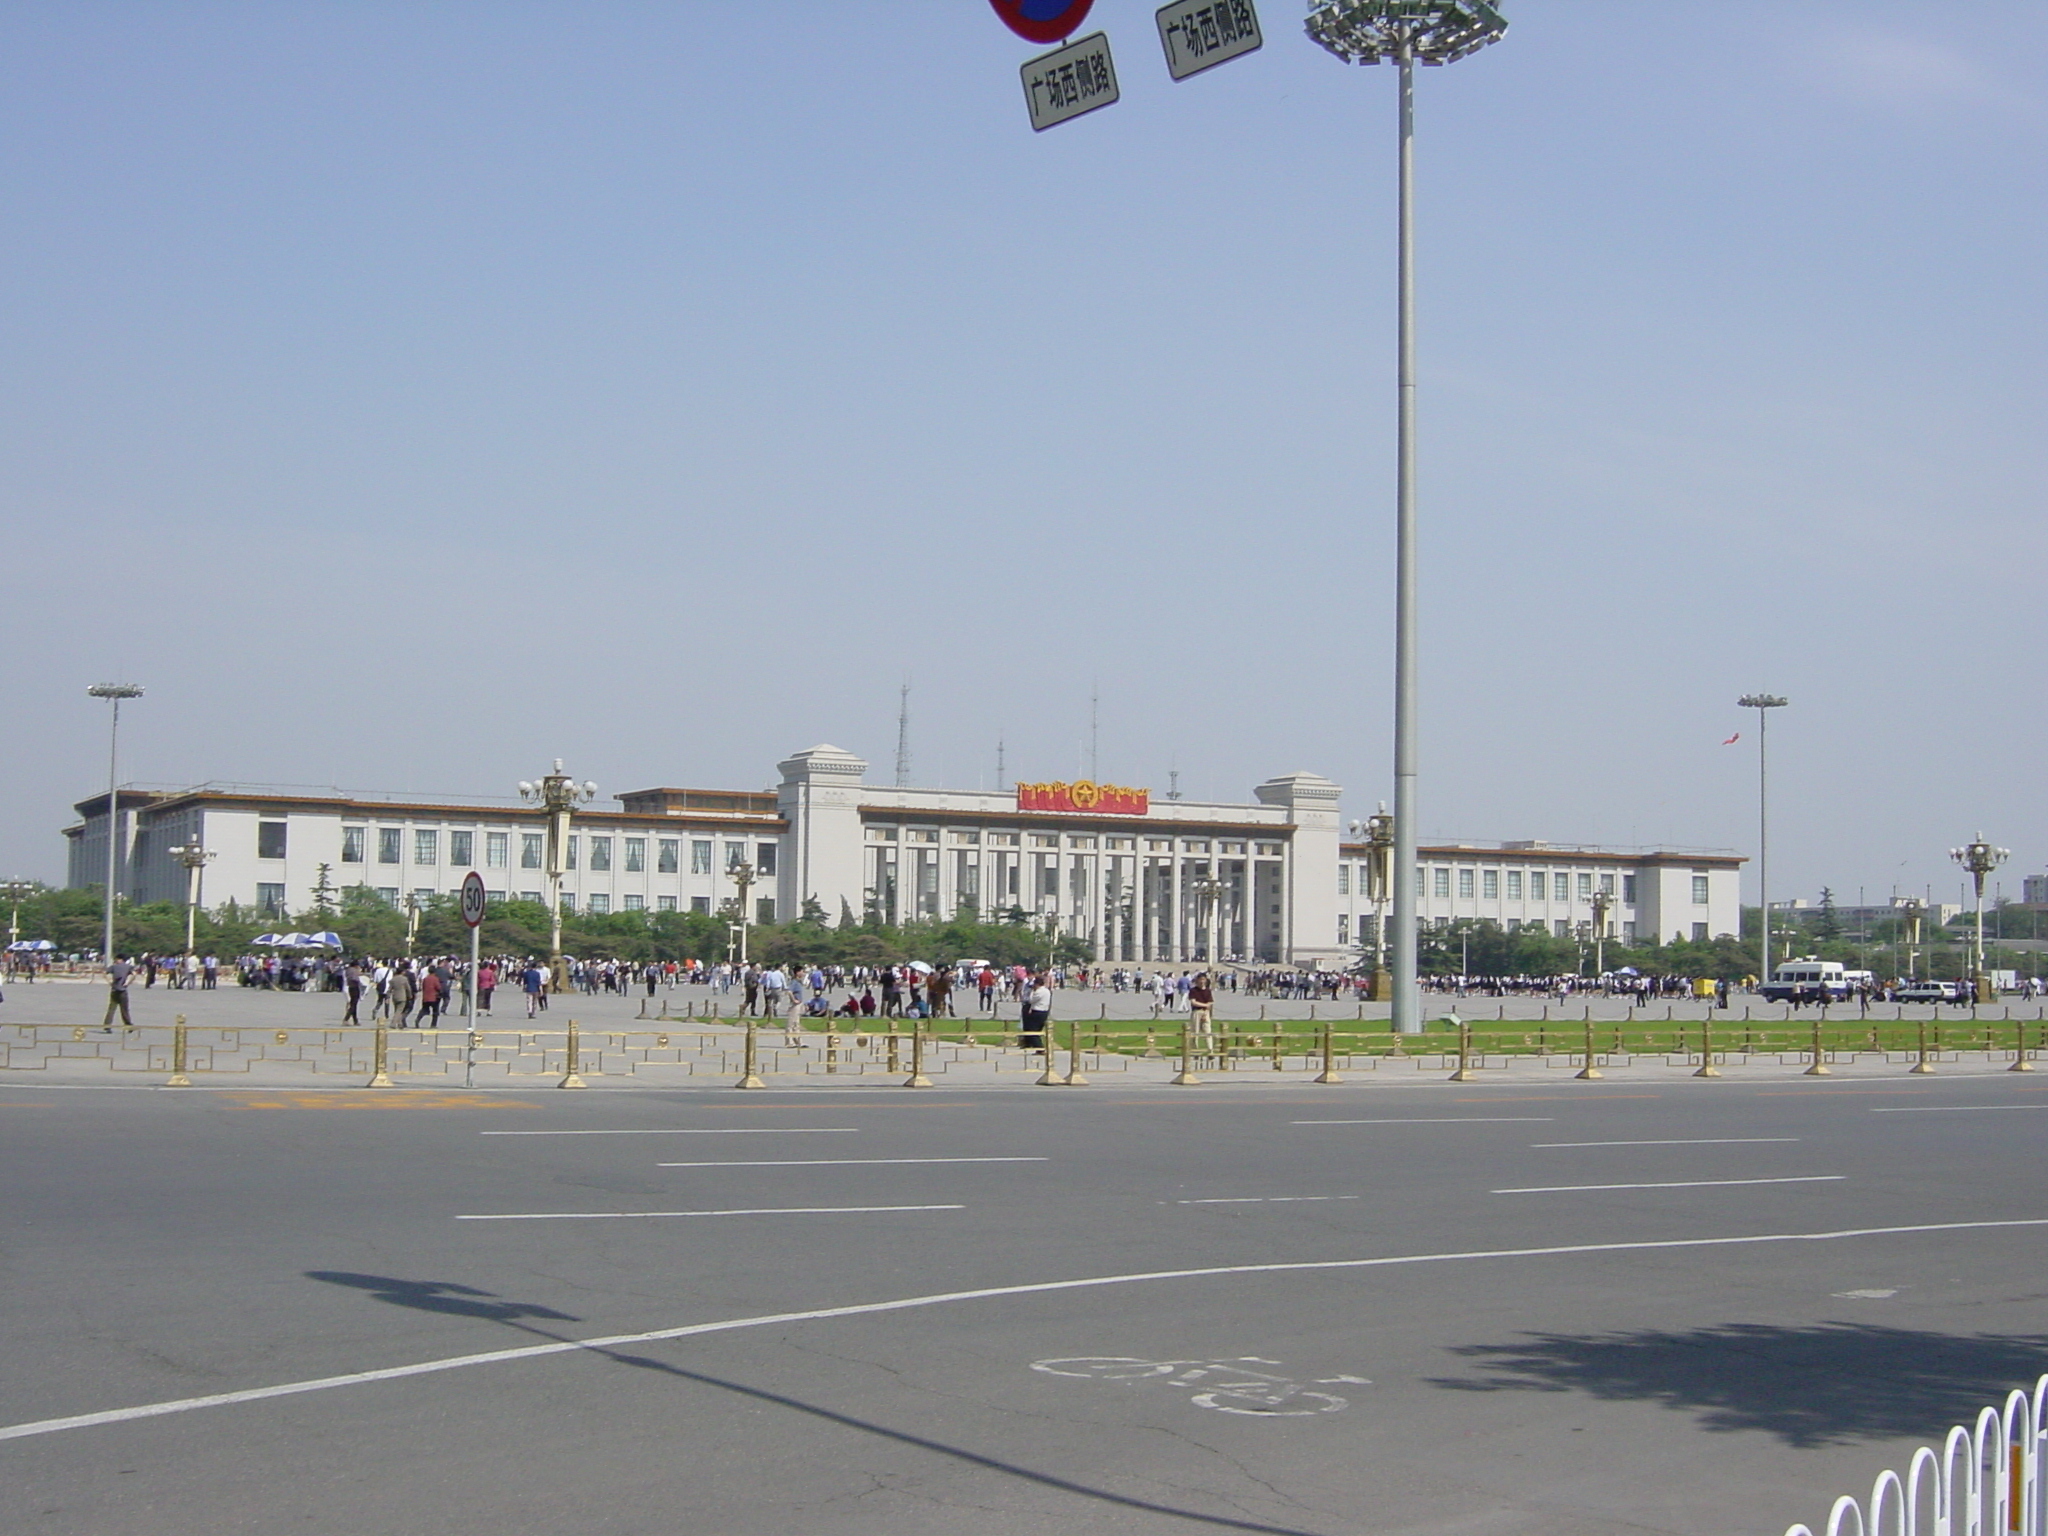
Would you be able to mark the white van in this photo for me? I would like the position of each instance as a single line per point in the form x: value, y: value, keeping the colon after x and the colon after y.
x: 1809, y: 979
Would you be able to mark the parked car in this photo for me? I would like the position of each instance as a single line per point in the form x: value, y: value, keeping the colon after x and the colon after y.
x: 1928, y: 992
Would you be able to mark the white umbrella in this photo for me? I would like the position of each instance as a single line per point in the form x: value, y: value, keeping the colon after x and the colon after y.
x: 920, y: 967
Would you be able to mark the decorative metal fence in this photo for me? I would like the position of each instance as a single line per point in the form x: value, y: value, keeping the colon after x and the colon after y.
x: 1984, y: 1481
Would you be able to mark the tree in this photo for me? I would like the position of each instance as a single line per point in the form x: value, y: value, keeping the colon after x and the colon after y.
x: 323, y: 895
x: 1827, y: 924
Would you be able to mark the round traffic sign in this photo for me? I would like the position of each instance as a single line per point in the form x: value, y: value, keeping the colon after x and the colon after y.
x: 472, y: 898
x: 1043, y: 21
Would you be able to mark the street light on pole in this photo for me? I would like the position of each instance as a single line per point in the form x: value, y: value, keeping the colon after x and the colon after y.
x: 1407, y: 32
x: 742, y: 876
x: 1979, y: 858
x: 1763, y: 704
x: 558, y: 795
x: 195, y: 859
x: 1603, y: 903
x: 114, y: 693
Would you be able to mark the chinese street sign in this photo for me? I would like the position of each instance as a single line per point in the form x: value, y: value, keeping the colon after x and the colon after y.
x: 1086, y: 797
x: 1069, y: 81
x: 1200, y: 34
x: 1043, y: 21
x: 472, y: 898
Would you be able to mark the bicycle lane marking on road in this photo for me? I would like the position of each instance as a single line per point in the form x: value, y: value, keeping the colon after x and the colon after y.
x: 945, y: 1298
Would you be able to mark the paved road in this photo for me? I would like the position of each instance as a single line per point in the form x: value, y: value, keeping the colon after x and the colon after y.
x: 1528, y: 1328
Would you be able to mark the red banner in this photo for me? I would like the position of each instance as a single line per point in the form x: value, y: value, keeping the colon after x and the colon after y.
x: 1084, y: 797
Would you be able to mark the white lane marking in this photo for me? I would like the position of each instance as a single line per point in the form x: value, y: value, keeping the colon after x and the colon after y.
x: 1944, y: 1109
x: 946, y: 1298
x: 1694, y: 1141
x: 772, y: 1210
x: 716, y: 1130
x: 1561, y: 1189
x: 849, y: 1162
x: 1874, y: 1294
x: 1447, y: 1120
x: 1263, y: 1199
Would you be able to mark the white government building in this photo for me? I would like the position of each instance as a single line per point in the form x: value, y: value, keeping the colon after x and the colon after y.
x: 1137, y: 878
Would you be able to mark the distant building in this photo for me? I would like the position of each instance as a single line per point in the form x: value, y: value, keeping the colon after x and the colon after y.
x: 1136, y: 878
x: 1652, y: 895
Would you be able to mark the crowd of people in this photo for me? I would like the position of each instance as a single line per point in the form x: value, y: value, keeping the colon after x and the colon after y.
x: 421, y: 993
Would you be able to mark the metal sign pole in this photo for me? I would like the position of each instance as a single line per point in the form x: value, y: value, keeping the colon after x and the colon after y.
x: 469, y: 1041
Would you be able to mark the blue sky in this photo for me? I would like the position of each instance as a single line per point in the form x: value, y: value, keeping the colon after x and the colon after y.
x: 408, y: 395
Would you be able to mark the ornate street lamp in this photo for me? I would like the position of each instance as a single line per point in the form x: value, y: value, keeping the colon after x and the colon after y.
x: 1910, y: 913
x: 743, y: 876
x: 114, y: 693
x: 16, y: 892
x: 1378, y: 831
x: 1979, y: 858
x: 1763, y: 704
x: 195, y: 859
x: 1603, y: 903
x: 558, y: 795
x: 1407, y: 32
x: 1208, y: 893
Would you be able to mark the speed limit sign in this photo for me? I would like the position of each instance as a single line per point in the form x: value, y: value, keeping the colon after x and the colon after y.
x: 472, y: 898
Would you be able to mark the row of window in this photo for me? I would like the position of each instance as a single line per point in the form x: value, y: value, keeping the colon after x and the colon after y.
x: 497, y: 850
x: 270, y: 900
x: 1487, y: 885
x: 1082, y: 840
x: 1562, y: 927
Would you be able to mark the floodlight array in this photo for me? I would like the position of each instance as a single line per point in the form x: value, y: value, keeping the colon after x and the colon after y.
x: 1429, y: 31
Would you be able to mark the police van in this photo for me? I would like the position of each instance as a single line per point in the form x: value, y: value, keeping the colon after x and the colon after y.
x: 1809, y: 980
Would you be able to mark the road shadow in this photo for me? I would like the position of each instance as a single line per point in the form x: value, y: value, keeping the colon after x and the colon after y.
x: 467, y: 1301
x: 443, y: 1296
x: 1813, y: 1385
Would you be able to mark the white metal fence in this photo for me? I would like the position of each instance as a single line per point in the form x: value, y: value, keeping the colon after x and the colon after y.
x: 1984, y: 1481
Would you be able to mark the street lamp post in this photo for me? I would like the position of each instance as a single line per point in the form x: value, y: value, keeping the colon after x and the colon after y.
x: 1979, y: 858
x: 195, y: 859
x: 1910, y: 912
x: 1379, y: 867
x: 114, y: 693
x: 1763, y: 704
x: 742, y: 876
x: 558, y: 795
x: 16, y: 891
x: 1208, y: 893
x: 1407, y: 32
x: 1603, y: 903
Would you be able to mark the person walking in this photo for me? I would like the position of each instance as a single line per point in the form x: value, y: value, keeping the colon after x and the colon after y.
x: 532, y: 982
x: 1037, y: 1014
x: 352, y: 983
x: 403, y: 990
x: 433, y: 991
x: 486, y: 984
x: 1201, y: 1009
x: 119, y: 973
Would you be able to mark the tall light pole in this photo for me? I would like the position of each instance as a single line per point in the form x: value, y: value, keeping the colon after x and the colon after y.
x: 114, y: 693
x: 1408, y: 32
x: 558, y: 795
x: 1603, y: 903
x: 1377, y: 872
x: 1979, y: 858
x: 1763, y: 704
x: 743, y: 875
x: 1208, y: 893
x: 16, y: 891
x: 195, y: 859
x: 1910, y: 911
